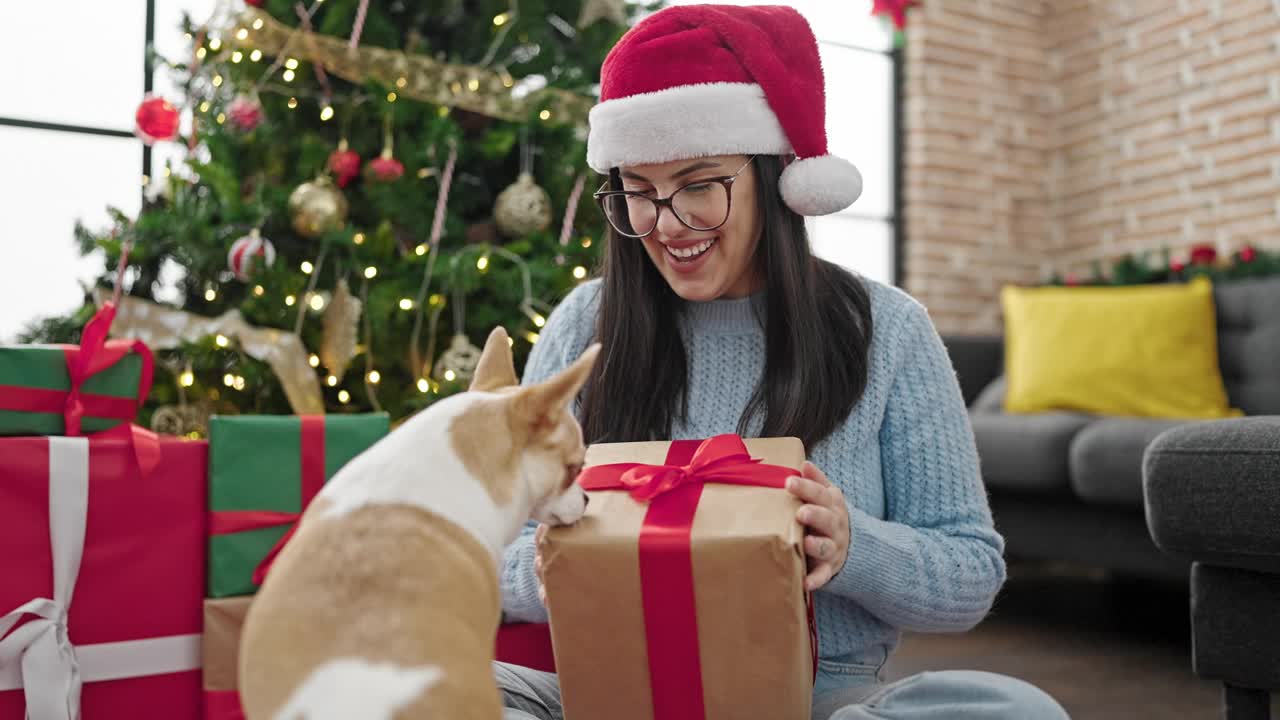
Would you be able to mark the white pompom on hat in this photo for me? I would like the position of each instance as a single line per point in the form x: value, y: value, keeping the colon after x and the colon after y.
x: 699, y: 80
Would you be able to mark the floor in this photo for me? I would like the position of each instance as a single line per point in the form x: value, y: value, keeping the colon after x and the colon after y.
x: 1107, y: 650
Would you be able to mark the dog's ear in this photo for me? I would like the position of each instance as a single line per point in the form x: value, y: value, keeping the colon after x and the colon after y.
x: 536, y: 406
x: 495, y: 369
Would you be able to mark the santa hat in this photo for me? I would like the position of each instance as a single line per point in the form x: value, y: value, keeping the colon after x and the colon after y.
x: 698, y: 80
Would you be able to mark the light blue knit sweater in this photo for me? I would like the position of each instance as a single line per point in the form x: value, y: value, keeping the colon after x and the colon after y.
x: 923, y: 555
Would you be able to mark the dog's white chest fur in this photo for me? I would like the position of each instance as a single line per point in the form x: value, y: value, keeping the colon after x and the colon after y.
x: 417, y: 466
x: 355, y: 688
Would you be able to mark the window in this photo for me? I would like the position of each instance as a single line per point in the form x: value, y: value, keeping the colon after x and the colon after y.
x: 66, y: 133
x: 861, y: 69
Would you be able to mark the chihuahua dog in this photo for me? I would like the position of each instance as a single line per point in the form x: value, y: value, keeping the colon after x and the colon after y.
x: 385, y: 603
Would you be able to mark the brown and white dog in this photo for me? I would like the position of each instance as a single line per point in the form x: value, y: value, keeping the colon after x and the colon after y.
x: 385, y: 603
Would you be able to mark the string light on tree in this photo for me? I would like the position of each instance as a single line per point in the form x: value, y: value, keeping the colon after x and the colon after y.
x: 221, y: 340
x: 374, y: 377
x: 344, y: 396
x: 187, y: 378
x: 210, y: 294
x: 307, y: 267
x: 326, y: 113
x: 313, y: 360
x: 331, y: 381
x: 579, y: 272
x: 371, y: 272
x: 290, y: 300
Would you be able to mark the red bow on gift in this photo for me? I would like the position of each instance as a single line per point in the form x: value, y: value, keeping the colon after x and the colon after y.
x: 722, y: 459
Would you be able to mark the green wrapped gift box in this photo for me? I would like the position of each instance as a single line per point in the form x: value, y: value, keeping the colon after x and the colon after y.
x: 36, y: 387
x: 263, y: 472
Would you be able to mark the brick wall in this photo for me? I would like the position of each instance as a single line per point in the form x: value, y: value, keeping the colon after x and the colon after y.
x: 1043, y: 136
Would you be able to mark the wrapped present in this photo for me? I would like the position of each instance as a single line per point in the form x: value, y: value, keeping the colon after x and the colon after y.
x: 69, y: 389
x: 263, y: 472
x: 223, y: 621
x: 687, y: 573
x: 103, y: 540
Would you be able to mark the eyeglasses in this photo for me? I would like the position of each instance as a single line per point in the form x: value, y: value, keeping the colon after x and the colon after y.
x: 701, y: 206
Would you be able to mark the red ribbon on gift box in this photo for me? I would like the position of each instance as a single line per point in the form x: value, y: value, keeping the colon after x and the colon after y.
x: 94, y: 354
x: 312, y: 456
x: 666, y: 556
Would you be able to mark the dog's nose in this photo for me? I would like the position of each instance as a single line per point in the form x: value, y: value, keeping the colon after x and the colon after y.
x: 586, y: 500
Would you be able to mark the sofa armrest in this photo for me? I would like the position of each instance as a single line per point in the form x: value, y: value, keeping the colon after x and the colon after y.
x: 977, y: 360
x: 1212, y: 492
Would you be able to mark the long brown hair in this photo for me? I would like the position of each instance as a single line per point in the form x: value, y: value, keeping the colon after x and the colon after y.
x: 817, y: 324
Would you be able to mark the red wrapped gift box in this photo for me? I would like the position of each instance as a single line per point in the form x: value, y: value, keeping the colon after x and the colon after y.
x: 125, y: 514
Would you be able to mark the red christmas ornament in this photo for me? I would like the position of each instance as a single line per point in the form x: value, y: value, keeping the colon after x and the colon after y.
x: 254, y: 3
x: 249, y: 253
x: 385, y: 168
x: 1248, y: 254
x: 1072, y: 280
x: 344, y: 164
x: 157, y: 120
x: 244, y: 113
x: 1203, y: 255
x: 896, y: 9
x: 1177, y: 266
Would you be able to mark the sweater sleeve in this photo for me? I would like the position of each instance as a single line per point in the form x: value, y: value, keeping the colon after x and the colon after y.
x: 935, y: 562
x: 567, y: 333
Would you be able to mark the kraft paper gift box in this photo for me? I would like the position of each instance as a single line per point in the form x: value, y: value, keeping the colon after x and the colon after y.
x: 223, y: 621
x: 686, y: 601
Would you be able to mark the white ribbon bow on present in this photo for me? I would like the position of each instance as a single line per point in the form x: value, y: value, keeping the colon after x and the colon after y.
x: 39, y: 656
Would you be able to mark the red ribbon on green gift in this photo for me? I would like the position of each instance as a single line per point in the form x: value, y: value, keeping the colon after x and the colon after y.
x: 666, y: 555
x: 312, y: 458
x: 94, y: 354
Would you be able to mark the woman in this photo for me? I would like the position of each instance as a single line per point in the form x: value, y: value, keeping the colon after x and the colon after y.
x: 716, y: 318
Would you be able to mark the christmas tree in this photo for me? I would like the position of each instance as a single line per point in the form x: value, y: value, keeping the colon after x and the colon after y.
x: 371, y: 187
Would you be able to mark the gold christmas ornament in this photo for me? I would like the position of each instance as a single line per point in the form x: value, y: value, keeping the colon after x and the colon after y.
x: 317, y: 207
x: 522, y: 208
x: 458, y: 363
x: 341, y: 326
x: 181, y: 420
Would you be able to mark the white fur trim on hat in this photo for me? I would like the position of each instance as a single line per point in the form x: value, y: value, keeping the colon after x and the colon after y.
x: 820, y: 185
x: 683, y: 122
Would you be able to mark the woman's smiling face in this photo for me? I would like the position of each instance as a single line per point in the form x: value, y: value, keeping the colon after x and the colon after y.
x: 700, y: 265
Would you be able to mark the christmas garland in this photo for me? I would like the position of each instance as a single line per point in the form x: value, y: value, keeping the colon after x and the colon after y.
x: 475, y: 89
x: 1202, y: 260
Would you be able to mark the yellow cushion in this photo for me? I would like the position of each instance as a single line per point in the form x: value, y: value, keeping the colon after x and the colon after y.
x: 1144, y: 350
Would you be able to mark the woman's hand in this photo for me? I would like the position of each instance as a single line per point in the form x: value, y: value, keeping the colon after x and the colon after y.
x: 826, y: 521
x: 537, y: 562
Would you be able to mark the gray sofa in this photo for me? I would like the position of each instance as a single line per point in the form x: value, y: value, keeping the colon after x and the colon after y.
x: 1070, y: 487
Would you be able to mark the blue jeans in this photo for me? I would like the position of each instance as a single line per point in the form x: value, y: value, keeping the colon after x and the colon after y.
x: 842, y: 692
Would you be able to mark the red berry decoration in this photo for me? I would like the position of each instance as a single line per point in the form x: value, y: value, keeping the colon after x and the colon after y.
x: 254, y: 3
x: 385, y: 168
x: 1203, y: 255
x: 157, y: 120
x: 1177, y: 266
x: 1248, y: 254
x: 344, y: 163
x: 1072, y: 280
